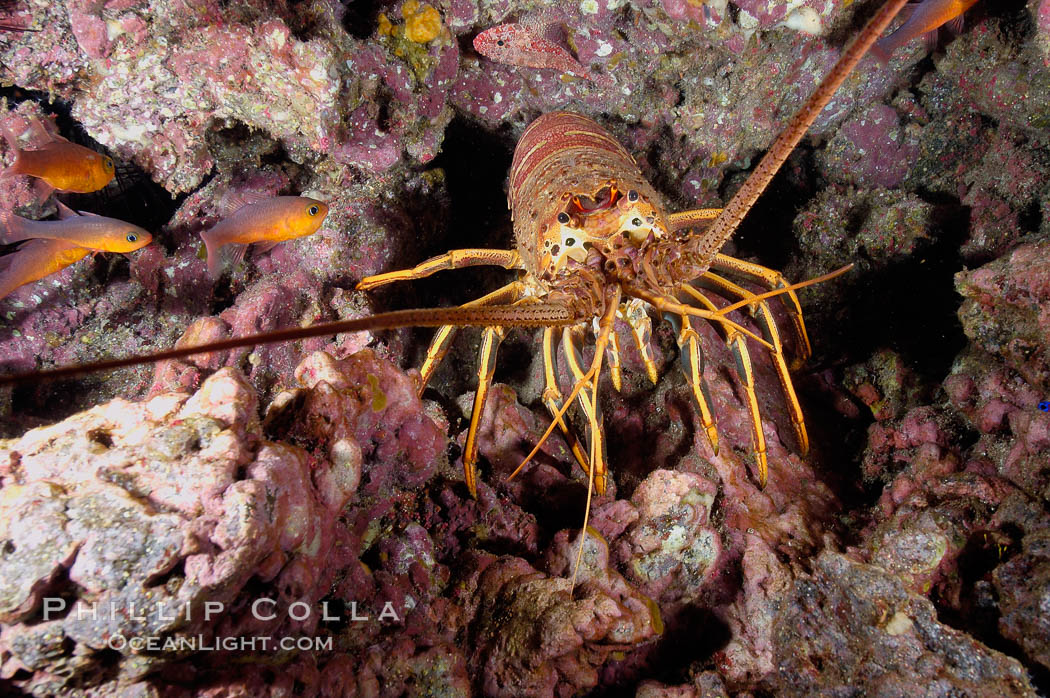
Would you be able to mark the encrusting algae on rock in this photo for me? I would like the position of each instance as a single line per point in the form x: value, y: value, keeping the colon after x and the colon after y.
x: 338, y: 497
x: 422, y: 22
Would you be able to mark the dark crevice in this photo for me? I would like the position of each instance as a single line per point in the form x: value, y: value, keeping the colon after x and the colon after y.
x: 360, y: 17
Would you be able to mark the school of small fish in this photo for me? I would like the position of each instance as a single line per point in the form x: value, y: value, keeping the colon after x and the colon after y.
x: 46, y: 247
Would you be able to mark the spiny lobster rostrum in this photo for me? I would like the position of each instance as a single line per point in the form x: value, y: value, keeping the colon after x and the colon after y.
x: 595, y: 243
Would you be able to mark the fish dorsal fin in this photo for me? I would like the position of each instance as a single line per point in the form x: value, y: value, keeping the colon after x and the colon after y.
x: 239, y: 199
x: 65, y: 212
x: 42, y: 134
x: 548, y: 24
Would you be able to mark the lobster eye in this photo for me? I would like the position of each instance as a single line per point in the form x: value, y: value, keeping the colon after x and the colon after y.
x: 636, y: 222
x: 131, y: 237
x: 632, y: 195
x: 313, y: 210
x: 563, y: 218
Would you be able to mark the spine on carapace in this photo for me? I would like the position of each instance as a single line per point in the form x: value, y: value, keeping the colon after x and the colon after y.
x: 559, y: 155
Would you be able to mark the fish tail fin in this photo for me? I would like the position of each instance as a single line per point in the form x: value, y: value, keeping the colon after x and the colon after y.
x: 14, y: 228
x: 8, y: 278
x: 12, y: 145
x: 882, y: 50
x: 12, y: 268
x: 214, y: 257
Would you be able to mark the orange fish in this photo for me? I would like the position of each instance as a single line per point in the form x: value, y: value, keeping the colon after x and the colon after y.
x: 924, y: 21
x: 35, y: 260
x: 263, y: 220
x: 94, y: 233
x: 63, y: 165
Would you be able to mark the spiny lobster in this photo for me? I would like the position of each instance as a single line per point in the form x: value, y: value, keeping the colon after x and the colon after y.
x: 594, y: 242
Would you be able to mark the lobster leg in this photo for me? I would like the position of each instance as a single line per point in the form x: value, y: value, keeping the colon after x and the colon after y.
x: 443, y: 338
x: 552, y: 397
x: 745, y: 371
x: 637, y: 318
x: 772, y: 280
x: 456, y: 259
x: 490, y: 341
x: 692, y: 364
x: 605, y: 331
x: 761, y: 312
x: 588, y: 398
x: 615, y: 371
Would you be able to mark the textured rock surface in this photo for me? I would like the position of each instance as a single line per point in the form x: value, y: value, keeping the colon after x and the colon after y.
x: 906, y: 551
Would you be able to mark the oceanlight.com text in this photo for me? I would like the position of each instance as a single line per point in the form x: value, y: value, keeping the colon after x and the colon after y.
x: 200, y: 643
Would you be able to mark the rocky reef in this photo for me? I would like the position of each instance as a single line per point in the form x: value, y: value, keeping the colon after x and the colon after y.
x: 292, y: 518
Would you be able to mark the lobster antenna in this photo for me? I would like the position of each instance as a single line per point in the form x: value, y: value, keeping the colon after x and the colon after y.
x: 726, y: 224
x: 784, y: 289
x: 539, y: 315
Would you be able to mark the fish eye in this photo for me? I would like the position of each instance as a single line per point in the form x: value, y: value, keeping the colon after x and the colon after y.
x: 570, y: 241
x: 108, y: 164
x: 132, y: 237
x: 632, y: 195
x: 636, y: 222
x: 563, y: 218
x: 313, y: 210
x: 500, y: 42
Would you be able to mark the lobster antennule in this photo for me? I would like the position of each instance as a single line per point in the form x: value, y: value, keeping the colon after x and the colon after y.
x: 536, y: 315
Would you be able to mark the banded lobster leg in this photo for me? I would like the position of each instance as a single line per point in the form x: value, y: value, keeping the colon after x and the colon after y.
x: 771, y: 278
x: 552, y: 399
x: 759, y: 310
x: 439, y: 346
x: 455, y: 259
x: 692, y: 365
x: 571, y: 339
x: 745, y: 372
x: 492, y: 335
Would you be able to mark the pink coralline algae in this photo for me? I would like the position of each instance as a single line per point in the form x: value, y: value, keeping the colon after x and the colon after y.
x: 568, y: 639
x: 874, y: 149
x: 165, y: 505
x: 1008, y: 309
x: 855, y: 612
x: 205, y: 503
x: 905, y: 544
x: 672, y: 544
